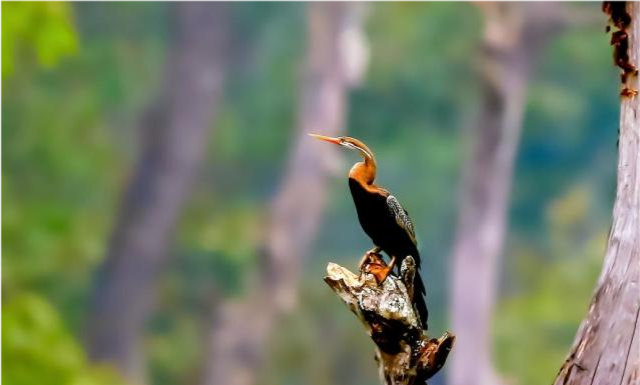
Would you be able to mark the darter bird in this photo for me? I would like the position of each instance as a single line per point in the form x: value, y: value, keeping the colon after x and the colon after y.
x: 382, y: 217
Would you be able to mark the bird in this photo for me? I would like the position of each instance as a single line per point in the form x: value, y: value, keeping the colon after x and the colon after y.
x: 382, y: 218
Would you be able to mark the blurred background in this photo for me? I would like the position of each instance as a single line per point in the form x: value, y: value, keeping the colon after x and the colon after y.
x: 166, y: 220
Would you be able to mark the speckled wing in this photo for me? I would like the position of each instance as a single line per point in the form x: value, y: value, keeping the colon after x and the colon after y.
x: 402, y: 217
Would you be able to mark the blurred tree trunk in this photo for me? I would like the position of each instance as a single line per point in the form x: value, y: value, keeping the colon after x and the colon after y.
x: 514, y: 35
x: 241, y: 329
x: 174, y: 137
x: 606, y: 349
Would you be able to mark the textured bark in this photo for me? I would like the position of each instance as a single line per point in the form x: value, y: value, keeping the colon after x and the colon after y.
x: 606, y: 350
x: 173, y: 141
x: 242, y: 328
x: 514, y: 36
x: 404, y: 353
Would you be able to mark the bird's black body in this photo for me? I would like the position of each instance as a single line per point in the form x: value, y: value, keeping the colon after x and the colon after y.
x: 389, y: 227
x: 382, y: 218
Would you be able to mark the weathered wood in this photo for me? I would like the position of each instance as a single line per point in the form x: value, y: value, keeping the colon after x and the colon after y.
x: 605, y: 350
x: 405, y: 354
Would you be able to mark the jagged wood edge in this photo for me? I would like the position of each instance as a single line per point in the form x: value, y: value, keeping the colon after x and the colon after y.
x: 404, y: 352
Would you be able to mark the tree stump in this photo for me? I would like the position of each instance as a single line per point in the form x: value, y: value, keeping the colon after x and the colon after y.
x: 404, y: 352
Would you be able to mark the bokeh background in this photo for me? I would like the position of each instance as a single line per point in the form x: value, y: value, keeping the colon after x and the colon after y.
x: 166, y: 220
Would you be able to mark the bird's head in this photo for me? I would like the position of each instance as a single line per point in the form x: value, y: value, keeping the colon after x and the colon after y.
x: 347, y: 142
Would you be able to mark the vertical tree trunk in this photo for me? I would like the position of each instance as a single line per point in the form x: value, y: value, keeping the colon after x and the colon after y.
x: 606, y: 350
x: 514, y: 35
x: 241, y: 330
x: 173, y: 143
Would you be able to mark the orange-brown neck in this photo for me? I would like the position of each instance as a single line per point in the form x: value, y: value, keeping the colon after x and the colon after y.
x: 364, y: 172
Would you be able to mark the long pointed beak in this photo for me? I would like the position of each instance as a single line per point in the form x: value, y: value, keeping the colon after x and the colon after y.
x: 326, y: 138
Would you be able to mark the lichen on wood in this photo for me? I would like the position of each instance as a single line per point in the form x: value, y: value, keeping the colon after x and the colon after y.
x: 404, y: 352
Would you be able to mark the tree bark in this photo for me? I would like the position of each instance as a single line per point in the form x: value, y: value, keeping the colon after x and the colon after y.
x: 242, y: 328
x: 404, y: 353
x: 174, y: 135
x: 606, y: 350
x: 514, y: 36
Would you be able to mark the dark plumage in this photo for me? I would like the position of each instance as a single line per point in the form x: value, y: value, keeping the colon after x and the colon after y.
x: 382, y: 217
x: 388, y: 225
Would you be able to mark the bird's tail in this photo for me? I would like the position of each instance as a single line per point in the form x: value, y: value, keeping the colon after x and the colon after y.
x: 419, y: 301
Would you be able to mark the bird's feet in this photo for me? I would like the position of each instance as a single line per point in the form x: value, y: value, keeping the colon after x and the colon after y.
x: 380, y: 273
x: 375, y: 265
x: 379, y: 269
x: 375, y: 252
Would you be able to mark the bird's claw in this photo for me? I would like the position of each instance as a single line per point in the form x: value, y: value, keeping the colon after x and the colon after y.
x: 374, y: 264
x: 371, y: 255
x: 380, y: 274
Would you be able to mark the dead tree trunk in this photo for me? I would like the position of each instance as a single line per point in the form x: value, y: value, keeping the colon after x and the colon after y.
x: 404, y: 353
x: 514, y: 36
x: 242, y: 328
x: 606, y: 350
x: 173, y: 143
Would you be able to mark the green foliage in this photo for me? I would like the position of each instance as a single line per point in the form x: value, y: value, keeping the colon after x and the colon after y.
x: 43, y: 28
x: 70, y: 140
x: 38, y: 350
x: 537, y: 321
x: 51, y: 187
x: 323, y: 343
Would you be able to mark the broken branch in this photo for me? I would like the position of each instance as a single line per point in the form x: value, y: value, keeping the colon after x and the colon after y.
x: 404, y: 352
